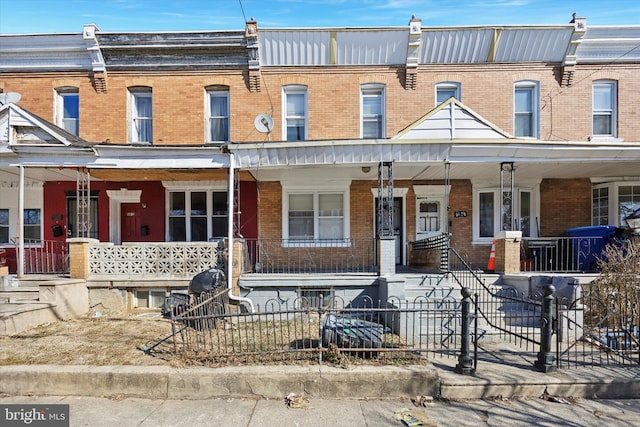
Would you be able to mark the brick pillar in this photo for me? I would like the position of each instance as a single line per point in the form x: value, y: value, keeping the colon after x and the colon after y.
x: 238, y: 265
x: 386, y: 256
x: 79, y: 257
x: 508, y: 252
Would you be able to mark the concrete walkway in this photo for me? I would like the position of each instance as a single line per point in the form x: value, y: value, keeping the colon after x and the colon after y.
x: 500, y: 374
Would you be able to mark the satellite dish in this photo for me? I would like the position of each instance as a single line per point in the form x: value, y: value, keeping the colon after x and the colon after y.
x: 263, y: 123
x: 9, y: 98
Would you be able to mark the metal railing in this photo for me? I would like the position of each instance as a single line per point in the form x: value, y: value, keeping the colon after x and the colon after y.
x: 309, y: 256
x: 45, y: 256
x: 563, y: 254
x: 204, y: 333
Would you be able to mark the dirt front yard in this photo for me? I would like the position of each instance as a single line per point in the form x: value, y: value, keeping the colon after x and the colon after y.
x: 88, y: 341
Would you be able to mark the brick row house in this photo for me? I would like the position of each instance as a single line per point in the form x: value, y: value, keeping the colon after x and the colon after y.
x: 310, y: 146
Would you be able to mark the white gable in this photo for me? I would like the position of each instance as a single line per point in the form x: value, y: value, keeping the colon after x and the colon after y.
x: 452, y: 120
x: 20, y: 127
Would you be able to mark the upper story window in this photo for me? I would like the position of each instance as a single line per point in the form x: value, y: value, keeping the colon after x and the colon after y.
x: 141, y: 114
x: 372, y: 111
x: 67, y: 106
x: 446, y: 90
x: 525, y: 109
x: 295, y: 113
x: 217, y: 114
x: 604, y: 108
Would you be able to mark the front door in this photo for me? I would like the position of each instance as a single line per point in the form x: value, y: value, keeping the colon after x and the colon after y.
x: 397, y: 227
x: 430, y: 216
x: 131, y: 222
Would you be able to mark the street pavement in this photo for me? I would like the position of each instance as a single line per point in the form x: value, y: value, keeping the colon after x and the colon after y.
x: 125, y: 412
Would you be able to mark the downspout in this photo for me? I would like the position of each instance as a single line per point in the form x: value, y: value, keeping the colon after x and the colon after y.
x: 230, y: 198
x: 20, y: 231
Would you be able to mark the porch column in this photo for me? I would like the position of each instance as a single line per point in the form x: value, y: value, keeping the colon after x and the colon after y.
x: 20, y: 231
x: 386, y: 255
x: 508, y: 251
x: 79, y: 257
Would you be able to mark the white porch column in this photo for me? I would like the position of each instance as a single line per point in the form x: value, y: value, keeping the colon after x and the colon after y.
x: 20, y: 231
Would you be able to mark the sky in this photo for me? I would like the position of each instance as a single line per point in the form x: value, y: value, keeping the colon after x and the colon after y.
x: 69, y: 16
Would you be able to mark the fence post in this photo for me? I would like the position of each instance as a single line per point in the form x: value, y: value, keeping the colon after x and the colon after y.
x: 465, y: 361
x: 545, y: 356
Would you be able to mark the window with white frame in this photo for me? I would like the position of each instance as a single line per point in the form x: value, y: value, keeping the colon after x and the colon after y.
x: 148, y: 298
x: 487, y: 221
x: 68, y: 109
x: 372, y: 111
x: 4, y: 226
x: 613, y: 202
x: 525, y: 109
x: 141, y: 114
x: 197, y: 215
x: 315, y: 215
x: 604, y: 108
x: 295, y: 113
x: 446, y: 90
x: 217, y: 114
x: 32, y: 224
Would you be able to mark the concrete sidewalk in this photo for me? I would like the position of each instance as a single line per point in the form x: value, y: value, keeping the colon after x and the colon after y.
x: 501, y: 374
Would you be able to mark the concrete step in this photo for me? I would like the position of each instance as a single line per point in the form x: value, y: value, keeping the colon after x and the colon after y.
x: 19, y: 294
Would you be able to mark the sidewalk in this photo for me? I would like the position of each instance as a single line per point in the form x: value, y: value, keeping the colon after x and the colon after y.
x: 501, y: 373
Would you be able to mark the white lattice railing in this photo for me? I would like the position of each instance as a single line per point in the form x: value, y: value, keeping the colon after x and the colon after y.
x: 161, y: 259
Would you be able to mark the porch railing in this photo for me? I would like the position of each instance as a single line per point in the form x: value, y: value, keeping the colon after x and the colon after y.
x: 310, y: 256
x: 45, y: 256
x: 563, y: 254
x: 155, y: 259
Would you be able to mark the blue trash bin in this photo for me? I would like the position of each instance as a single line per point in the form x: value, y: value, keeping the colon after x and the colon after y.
x: 588, y: 244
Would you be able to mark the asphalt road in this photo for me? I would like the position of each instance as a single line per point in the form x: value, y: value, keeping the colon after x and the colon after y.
x: 124, y: 412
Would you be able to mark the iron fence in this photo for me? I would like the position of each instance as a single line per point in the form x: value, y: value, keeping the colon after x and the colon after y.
x: 564, y: 254
x: 205, y: 332
x: 309, y: 256
x: 45, y: 256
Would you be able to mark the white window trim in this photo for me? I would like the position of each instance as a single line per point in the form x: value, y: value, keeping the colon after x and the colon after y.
x: 60, y: 94
x: 534, y: 189
x: 535, y: 100
x: 149, y: 291
x: 614, y: 203
x: 344, y: 190
x: 188, y: 187
x: 448, y: 85
x: 613, y: 137
x: 133, y: 93
x: 222, y: 92
x: 374, y: 89
x: 34, y: 199
x: 295, y: 89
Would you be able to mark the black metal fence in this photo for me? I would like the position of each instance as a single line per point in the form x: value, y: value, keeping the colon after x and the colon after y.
x: 309, y: 256
x: 205, y: 332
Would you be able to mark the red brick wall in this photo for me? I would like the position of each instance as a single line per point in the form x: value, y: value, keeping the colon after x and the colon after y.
x: 565, y: 203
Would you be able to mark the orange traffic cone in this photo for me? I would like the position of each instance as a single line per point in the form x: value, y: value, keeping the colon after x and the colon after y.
x: 491, y: 265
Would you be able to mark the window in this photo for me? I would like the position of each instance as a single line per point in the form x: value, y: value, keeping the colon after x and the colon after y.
x: 315, y: 215
x: 68, y: 109
x: 4, y: 225
x: 372, y: 97
x: 32, y: 224
x: 525, y: 110
x: 613, y: 202
x: 218, y: 114
x: 446, y: 90
x: 141, y: 114
x: 487, y: 219
x: 604, y: 109
x: 600, y: 213
x: 197, y: 215
x: 295, y: 113
x: 149, y: 298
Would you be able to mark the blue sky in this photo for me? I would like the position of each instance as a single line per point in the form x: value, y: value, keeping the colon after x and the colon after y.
x: 68, y: 16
